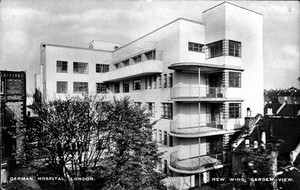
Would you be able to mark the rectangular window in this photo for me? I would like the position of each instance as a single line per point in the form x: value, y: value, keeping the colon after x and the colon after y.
x: 165, y: 138
x: 151, y: 109
x: 159, y: 81
x: 215, y: 49
x: 150, y: 82
x: 62, y: 87
x: 146, y: 82
x: 170, y: 80
x: 137, y: 59
x: 81, y: 68
x: 234, y: 48
x: 195, y: 47
x: 116, y: 87
x: 165, y: 80
x: 159, y: 136
x: 234, y: 110
x: 154, y: 82
x: 102, y: 68
x: 150, y: 55
x: 235, y: 79
x: 126, y: 86
x: 61, y: 66
x: 101, y: 88
x: 137, y: 84
x: 2, y: 87
x: 80, y: 87
x: 126, y: 62
x: 167, y: 110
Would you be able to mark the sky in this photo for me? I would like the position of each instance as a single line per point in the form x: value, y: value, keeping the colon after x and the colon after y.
x: 24, y: 25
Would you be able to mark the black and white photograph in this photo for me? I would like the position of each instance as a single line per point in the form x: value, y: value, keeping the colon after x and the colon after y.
x: 149, y: 95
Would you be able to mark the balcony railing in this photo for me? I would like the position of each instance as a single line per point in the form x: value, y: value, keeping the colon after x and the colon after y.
x: 194, y: 127
x: 195, y: 91
x: 197, y: 162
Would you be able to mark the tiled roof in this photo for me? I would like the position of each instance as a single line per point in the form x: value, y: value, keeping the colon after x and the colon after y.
x: 289, y: 110
x: 274, y: 107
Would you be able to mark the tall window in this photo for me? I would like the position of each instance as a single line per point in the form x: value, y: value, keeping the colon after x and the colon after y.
x: 137, y: 59
x: 234, y: 79
x: 126, y: 86
x: 146, y: 82
x: 234, y: 110
x: 151, y: 108
x: 154, y: 82
x: 81, y: 68
x: 215, y: 49
x: 150, y: 55
x: 137, y: 84
x: 165, y: 138
x: 150, y: 82
x: 101, y: 88
x: 195, y: 47
x: 159, y: 81
x: 160, y: 136
x: 234, y: 48
x: 80, y: 87
x: 62, y: 87
x: 170, y: 80
x: 61, y: 66
x: 165, y: 81
x: 102, y: 68
x: 167, y: 110
x: 117, y: 87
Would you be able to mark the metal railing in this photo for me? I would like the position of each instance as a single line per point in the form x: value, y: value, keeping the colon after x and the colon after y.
x: 193, y: 127
x: 196, y: 91
x: 197, y: 162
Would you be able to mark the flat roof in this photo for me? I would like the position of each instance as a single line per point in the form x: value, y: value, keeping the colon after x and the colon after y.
x: 74, y: 47
x: 233, y: 5
x: 189, y: 20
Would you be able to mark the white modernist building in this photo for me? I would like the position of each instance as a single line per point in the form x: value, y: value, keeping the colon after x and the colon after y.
x: 201, y: 79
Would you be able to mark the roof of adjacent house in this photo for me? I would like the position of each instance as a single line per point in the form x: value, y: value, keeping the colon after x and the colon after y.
x: 286, y: 110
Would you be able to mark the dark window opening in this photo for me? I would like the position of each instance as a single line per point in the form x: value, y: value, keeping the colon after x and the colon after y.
x: 61, y: 66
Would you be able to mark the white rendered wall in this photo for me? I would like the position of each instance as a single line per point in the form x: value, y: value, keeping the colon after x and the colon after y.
x: 71, y: 55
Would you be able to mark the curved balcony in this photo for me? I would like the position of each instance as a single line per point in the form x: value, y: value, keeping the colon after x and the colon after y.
x: 198, y: 92
x: 196, y: 164
x: 193, y: 129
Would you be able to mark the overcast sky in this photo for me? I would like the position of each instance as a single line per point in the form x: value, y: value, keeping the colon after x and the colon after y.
x: 25, y: 25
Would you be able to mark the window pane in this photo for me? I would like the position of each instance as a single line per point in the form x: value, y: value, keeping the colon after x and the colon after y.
x: 234, y: 79
x: 80, y: 87
x: 195, y: 47
x: 167, y: 110
x: 81, y: 68
x: 62, y: 87
x: 126, y: 86
x: 101, y: 88
x: 234, y: 110
x: 61, y: 66
x: 137, y: 84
